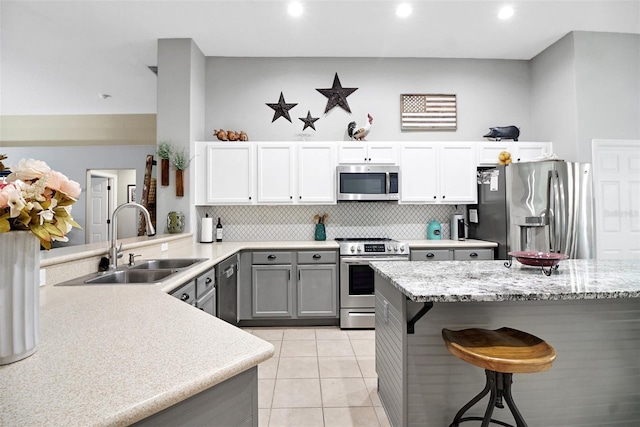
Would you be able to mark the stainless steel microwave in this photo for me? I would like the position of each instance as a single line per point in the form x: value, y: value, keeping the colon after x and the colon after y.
x: 368, y: 182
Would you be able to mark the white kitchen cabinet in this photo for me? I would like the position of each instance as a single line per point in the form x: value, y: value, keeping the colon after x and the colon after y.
x: 457, y: 173
x: 438, y: 172
x: 488, y: 151
x: 230, y: 173
x: 316, y: 173
x: 276, y: 169
x: 368, y: 152
x: 527, y: 151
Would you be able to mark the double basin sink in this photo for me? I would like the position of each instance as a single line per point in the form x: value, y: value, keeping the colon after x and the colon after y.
x: 150, y: 272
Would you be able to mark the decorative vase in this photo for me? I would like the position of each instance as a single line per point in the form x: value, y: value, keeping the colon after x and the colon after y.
x: 175, y: 222
x: 164, y: 172
x: 320, y: 232
x: 179, y: 183
x: 19, y: 295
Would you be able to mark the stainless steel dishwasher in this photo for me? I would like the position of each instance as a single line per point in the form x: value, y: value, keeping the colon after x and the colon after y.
x: 227, y: 282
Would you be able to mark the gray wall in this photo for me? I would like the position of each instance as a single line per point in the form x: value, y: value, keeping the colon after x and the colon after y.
x: 489, y: 93
x: 74, y: 163
x: 586, y: 86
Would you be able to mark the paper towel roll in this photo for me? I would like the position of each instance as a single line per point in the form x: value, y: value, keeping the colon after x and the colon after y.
x: 206, y: 230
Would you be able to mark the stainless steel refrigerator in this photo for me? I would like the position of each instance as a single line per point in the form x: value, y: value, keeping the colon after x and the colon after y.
x: 535, y: 206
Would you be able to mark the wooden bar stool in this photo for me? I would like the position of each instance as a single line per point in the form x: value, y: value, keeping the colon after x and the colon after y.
x: 501, y: 353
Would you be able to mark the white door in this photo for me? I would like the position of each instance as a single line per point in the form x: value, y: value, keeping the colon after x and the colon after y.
x: 382, y: 152
x: 230, y: 173
x: 458, y: 182
x: 617, y: 198
x: 99, y: 210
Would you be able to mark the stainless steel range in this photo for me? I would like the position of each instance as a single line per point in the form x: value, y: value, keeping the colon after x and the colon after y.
x: 357, y: 299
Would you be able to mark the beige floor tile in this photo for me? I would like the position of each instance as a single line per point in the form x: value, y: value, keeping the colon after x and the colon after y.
x: 269, y: 334
x: 265, y: 393
x: 298, y: 367
x: 277, y: 345
x: 302, y: 417
x: 299, y: 334
x: 339, y: 367
x: 350, y: 417
x: 296, y: 393
x: 364, y: 334
x: 331, y: 334
x: 382, y: 417
x: 372, y: 387
x: 328, y: 348
x: 367, y: 366
x: 298, y: 348
x: 344, y: 392
x: 268, y: 368
x: 364, y: 347
x: 263, y: 417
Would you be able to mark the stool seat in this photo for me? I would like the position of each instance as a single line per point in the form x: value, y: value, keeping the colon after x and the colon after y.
x: 503, y: 350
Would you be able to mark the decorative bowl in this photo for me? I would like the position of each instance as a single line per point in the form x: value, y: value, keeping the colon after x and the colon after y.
x: 538, y: 259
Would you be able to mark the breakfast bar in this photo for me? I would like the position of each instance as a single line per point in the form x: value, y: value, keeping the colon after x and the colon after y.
x: 588, y: 310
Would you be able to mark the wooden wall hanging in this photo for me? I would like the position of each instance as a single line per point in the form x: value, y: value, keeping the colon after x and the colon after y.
x: 428, y: 112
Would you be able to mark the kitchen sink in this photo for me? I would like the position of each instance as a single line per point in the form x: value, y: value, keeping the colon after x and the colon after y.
x: 131, y: 276
x: 171, y: 263
x: 149, y: 272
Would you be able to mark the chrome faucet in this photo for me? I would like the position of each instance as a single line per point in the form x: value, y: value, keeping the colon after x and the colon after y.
x: 114, y: 250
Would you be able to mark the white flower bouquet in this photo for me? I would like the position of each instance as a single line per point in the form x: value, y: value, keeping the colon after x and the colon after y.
x: 38, y: 199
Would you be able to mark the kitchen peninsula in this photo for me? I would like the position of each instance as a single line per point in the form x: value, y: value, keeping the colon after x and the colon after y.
x: 588, y: 310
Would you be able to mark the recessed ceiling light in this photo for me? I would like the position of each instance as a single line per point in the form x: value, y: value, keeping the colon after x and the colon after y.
x: 403, y: 10
x: 295, y: 9
x: 506, y: 12
x: 104, y: 95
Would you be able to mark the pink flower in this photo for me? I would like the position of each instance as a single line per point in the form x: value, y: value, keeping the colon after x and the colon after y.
x: 59, y: 182
x: 5, y: 190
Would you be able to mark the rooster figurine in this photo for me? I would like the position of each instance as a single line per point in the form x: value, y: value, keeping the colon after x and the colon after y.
x: 359, y: 133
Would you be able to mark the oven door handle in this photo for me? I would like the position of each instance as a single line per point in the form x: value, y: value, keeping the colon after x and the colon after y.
x: 367, y: 260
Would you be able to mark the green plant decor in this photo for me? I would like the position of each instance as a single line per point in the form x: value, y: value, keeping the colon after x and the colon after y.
x: 180, y: 160
x: 164, y: 150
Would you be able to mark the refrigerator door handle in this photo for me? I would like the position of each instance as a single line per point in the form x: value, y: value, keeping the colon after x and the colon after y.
x: 550, y: 211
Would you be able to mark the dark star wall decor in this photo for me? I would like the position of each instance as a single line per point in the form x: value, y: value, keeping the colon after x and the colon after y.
x: 337, y: 95
x: 308, y: 121
x: 281, y: 109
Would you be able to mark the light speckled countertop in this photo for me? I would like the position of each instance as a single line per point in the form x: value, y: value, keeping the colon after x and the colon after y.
x: 113, y: 355
x: 455, y: 281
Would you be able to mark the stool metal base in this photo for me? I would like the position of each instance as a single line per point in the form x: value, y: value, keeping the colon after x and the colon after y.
x: 499, y: 385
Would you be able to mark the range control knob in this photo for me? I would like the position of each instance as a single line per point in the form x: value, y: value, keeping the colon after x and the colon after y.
x: 352, y: 248
x: 401, y: 248
x: 389, y: 247
x: 359, y: 248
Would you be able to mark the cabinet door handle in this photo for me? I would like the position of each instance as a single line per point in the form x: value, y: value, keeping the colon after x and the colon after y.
x: 208, y: 280
x: 430, y: 255
x: 434, y: 197
x: 289, y: 275
x: 443, y: 197
x: 317, y: 256
x: 473, y: 255
x: 298, y: 274
x: 271, y: 257
x: 184, y: 297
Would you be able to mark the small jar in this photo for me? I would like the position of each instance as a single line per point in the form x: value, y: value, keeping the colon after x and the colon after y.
x: 175, y: 222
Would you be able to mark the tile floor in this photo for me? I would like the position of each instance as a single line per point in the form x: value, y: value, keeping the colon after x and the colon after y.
x: 320, y: 376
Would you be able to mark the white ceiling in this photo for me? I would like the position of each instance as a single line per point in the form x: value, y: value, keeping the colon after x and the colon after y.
x: 57, y: 56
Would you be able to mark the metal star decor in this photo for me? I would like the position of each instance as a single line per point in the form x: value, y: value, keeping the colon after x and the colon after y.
x: 308, y: 121
x: 337, y: 95
x: 281, y: 109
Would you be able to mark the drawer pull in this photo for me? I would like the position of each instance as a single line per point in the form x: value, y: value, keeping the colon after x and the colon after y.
x: 473, y: 254
x: 184, y: 297
x: 430, y: 255
x: 317, y: 256
x: 271, y: 257
x: 208, y: 280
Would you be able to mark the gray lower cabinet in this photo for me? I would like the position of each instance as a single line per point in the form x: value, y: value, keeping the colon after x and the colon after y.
x: 317, y: 285
x: 478, y: 254
x: 288, y: 286
x: 233, y: 402
x: 272, y: 291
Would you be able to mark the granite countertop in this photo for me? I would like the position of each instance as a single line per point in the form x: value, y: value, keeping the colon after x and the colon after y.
x: 459, y: 281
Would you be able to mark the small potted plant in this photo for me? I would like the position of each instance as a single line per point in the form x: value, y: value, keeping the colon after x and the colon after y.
x: 164, y: 152
x: 180, y: 162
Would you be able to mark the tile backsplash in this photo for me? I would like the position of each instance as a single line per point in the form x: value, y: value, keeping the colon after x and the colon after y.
x: 371, y: 219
